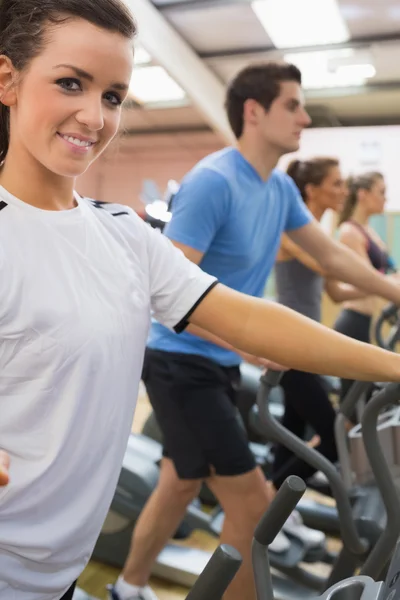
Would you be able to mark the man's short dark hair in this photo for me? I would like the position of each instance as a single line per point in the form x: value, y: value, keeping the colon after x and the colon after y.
x: 260, y: 82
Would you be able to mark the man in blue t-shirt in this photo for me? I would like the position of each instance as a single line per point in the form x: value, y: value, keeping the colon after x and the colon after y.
x: 228, y: 217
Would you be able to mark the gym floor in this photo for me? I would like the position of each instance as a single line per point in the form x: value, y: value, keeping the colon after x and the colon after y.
x: 97, y: 576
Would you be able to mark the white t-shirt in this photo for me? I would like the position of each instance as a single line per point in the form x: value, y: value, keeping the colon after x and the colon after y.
x: 77, y: 291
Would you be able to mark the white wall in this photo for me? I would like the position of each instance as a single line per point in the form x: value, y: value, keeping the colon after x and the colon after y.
x: 358, y: 149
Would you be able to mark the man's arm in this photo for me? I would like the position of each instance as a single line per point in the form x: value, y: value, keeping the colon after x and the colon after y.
x: 342, y: 263
x: 268, y: 329
x: 337, y: 291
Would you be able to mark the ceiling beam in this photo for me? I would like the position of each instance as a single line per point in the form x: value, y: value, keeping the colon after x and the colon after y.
x: 172, y: 52
x: 171, y: 5
x: 178, y: 129
x: 359, y: 90
x: 357, y: 43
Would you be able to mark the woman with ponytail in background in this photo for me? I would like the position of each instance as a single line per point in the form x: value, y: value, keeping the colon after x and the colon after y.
x: 366, y: 198
x: 300, y: 283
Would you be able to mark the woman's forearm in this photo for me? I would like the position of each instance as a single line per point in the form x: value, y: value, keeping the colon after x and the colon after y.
x: 209, y: 337
x: 342, y: 292
x: 279, y: 334
x: 347, y: 266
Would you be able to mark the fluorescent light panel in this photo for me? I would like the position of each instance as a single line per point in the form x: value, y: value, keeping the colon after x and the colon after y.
x: 153, y: 85
x: 297, y: 23
x: 332, y: 68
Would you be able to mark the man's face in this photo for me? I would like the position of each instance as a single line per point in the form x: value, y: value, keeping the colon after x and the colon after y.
x: 281, y: 126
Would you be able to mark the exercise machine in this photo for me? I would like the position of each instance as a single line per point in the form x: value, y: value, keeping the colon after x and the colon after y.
x: 354, y: 467
x: 361, y: 587
x: 138, y: 478
x: 369, y: 530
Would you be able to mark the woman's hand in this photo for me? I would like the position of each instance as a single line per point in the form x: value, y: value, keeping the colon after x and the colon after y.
x: 4, y: 466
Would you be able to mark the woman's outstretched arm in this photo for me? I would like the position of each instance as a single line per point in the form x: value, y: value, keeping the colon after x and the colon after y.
x: 267, y: 329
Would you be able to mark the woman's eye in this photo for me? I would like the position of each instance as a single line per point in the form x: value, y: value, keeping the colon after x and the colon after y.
x: 69, y: 84
x: 74, y: 85
x: 113, y: 98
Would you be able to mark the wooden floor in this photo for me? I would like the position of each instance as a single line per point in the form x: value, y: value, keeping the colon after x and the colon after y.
x: 96, y: 576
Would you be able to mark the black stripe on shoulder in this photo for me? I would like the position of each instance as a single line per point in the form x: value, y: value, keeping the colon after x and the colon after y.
x: 98, y: 204
x: 120, y: 214
x: 3, y: 205
x: 185, y: 321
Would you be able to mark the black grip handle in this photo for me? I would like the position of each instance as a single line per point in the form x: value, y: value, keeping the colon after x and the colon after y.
x: 389, y: 311
x: 279, y: 510
x: 217, y: 575
x: 389, y: 314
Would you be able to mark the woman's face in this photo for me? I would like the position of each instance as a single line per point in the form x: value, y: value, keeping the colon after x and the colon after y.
x: 66, y: 108
x: 332, y: 192
x: 375, y: 198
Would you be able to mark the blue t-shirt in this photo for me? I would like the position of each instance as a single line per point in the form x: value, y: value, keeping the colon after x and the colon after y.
x: 226, y: 211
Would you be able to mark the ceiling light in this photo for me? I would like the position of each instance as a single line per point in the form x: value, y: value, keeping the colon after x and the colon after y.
x: 153, y: 85
x: 296, y: 23
x: 334, y: 68
x: 356, y: 71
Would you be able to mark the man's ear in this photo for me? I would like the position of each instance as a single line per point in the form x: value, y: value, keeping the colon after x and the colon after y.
x: 252, y: 110
x: 8, y: 78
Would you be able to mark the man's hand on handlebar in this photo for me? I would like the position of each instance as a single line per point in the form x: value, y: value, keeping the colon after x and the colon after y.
x: 4, y: 466
x: 262, y: 362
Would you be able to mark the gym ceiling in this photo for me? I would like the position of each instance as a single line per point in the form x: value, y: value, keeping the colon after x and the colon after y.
x: 187, y: 50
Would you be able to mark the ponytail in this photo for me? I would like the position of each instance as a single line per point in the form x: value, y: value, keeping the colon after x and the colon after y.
x: 312, y: 171
x: 350, y: 202
x: 355, y: 184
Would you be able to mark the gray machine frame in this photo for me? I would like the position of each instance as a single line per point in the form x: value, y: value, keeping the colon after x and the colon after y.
x: 364, y: 586
x: 355, y: 469
x: 356, y: 548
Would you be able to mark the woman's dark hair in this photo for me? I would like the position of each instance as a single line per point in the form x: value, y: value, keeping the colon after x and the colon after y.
x: 260, y: 82
x: 365, y: 181
x: 314, y: 171
x: 23, y: 28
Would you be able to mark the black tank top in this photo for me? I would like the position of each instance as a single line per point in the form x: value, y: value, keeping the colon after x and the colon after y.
x: 378, y: 257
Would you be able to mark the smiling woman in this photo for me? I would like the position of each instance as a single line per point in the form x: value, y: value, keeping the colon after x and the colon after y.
x: 80, y: 282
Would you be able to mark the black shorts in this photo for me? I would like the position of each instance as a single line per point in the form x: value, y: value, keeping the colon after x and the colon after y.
x: 194, y: 402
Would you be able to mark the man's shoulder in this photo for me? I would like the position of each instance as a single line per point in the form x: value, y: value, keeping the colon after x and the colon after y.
x: 221, y: 164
